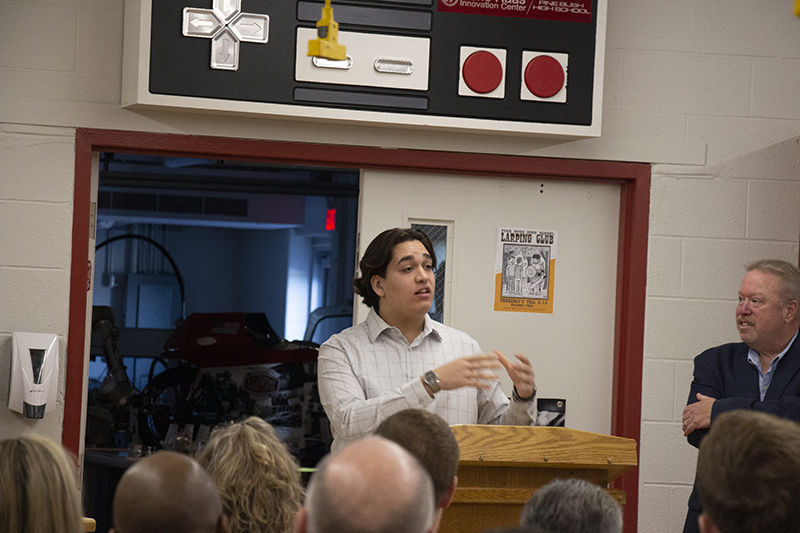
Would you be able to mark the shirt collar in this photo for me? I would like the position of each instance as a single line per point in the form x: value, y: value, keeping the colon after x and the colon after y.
x: 376, y: 325
x: 752, y: 355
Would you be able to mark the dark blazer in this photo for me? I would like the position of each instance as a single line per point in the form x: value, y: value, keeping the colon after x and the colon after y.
x: 724, y: 373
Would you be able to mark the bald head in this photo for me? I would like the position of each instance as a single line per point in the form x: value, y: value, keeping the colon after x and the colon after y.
x: 167, y: 491
x: 372, y: 485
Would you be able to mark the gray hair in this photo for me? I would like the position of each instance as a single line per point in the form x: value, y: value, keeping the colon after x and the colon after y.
x: 570, y: 505
x: 788, y: 277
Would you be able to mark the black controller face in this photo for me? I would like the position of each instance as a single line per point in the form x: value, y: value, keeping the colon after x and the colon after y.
x: 514, y: 61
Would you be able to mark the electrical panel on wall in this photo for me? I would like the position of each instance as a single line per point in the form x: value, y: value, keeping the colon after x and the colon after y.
x: 514, y: 66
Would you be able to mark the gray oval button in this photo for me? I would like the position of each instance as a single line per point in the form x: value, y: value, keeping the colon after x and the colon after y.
x: 322, y: 62
x: 394, y: 66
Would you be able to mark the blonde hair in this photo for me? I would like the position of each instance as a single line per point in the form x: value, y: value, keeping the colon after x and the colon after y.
x: 257, y: 477
x: 38, y: 487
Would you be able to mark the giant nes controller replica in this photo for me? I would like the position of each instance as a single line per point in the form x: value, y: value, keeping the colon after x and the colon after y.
x: 507, y: 66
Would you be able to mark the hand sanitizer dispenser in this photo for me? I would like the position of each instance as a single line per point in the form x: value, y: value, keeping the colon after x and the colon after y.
x: 34, y: 373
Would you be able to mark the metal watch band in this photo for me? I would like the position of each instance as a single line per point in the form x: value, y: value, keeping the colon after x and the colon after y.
x: 431, y: 379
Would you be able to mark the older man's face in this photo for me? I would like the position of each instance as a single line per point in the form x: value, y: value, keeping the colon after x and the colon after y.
x: 760, y: 317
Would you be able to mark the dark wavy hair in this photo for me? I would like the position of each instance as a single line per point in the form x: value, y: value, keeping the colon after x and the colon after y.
x: 379, y: 255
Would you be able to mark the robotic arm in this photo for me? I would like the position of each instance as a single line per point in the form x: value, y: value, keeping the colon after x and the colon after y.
x: 116, y: 389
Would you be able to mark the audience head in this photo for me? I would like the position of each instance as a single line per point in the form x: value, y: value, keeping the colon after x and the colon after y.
x: 748, y: 474
x: 38, y: 487
x: 378, y: 256
x: 167, y: 491
x: 572, y: 505
x: 257, y: 477
x: 370, y: 486
x: 429, y: 438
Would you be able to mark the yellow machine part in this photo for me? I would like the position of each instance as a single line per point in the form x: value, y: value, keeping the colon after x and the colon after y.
x: 326, y: 44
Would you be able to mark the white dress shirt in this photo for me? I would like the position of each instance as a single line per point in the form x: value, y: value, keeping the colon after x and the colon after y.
x: 369, y: 371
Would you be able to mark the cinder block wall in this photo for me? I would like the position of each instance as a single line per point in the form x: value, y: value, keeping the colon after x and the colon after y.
x: 728, y: 75
x: 706, y: 90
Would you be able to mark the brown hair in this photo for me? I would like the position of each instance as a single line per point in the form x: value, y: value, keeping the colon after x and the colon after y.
x: 748, y: 472
x: 379, y: 255
x: 429, y: 438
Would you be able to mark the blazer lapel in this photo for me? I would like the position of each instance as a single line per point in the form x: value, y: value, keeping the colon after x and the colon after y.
x: 745, y: 373
x: 785, y: 373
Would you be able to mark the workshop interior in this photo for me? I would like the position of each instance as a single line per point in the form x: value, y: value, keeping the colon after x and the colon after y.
x: 215, y: 282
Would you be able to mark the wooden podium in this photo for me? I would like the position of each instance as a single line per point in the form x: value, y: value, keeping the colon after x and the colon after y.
x: 502, y: 466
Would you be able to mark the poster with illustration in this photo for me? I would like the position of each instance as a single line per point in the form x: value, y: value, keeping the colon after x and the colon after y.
x: 525, y: 267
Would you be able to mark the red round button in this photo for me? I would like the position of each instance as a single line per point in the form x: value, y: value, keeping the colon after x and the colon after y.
x: 544, y: 76
x: 482, y: 72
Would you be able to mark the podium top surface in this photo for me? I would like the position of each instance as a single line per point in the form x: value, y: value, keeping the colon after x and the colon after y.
x: 544, y: 447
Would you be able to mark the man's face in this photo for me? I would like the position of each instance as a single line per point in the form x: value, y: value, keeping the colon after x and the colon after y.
x: 760, y: 318
x: 407, y: 289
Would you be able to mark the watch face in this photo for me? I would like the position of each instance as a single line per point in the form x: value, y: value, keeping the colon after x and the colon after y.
x: 432, y: 380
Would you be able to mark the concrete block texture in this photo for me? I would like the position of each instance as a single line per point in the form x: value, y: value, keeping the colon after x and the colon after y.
x: 665, y: 456
x: 654, y: 508
x: 698, y: 207
x: 685, y: 83
x: 37, y: 165
x: 744, y: 28
x: 679, y: 329
x: 662, y: 508
x: 658, y: 388
x: 715, y: 268
x: 34, y: 299
x: 35, y: 234
x: 623, y: 123
x: 735, y: 143
x: 660, y: 26
x: 51, y: 85
x: 612, y: 79
x: 42, y: 35
x: 664, y: 266
x: 100, y: 36
x: 772, y: 212
x: 776, y: 87
x: 779, y: 161
x: 678, y: 506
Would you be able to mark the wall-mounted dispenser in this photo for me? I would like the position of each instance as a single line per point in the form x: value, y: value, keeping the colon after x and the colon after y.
x: 34, y: 373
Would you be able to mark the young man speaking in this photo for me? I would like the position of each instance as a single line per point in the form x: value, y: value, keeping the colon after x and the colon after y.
x: 399, y: 358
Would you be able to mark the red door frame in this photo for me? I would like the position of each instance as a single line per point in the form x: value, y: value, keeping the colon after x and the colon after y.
x: 634, y: 179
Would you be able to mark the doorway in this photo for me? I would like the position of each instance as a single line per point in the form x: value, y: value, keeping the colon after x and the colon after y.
x: 632, y: 243
x: 178, y: 235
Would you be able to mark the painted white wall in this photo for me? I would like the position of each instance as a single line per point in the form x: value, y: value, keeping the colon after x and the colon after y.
x: 708, y: 90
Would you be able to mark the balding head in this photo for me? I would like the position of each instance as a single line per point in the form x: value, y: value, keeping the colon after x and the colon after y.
x: 372, y: 485
x: 167, y: 491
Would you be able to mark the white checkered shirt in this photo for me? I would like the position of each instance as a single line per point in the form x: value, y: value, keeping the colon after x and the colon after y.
x: 370, y: 371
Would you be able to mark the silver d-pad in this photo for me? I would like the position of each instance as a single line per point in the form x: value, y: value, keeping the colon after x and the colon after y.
x: 226, y: 26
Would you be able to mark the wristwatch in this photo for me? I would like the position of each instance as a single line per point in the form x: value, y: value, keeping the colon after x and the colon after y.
x: 431, y: 379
